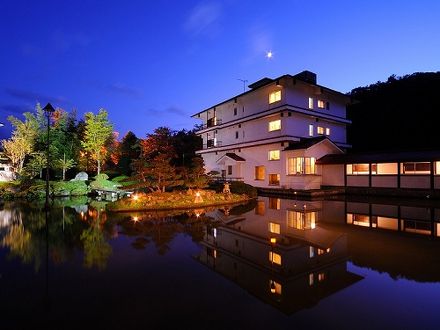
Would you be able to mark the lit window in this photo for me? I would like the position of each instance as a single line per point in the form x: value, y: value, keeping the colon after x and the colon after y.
x: 416, y: 168
x: 214, y: 232
x: 275, y: 258
x: 362, y: 220
x: 259, y: 172
x: 327, y: 131
x: 275, y: 287
x: 310, y: 102
x: 311, y: 281
x: 310, y: 130
x: 385, y: 168
x: 320, y: 130
x: 274, y: 227
x: 274, y: 203
x: 321, y: 104
x: 274, y: 155
x: 274, y: 179
x: 275, y: 125
x: 301, y: 165
x: 260, y: 208
x: 437, y: 168
x: 360, y: 169
x: 274, y: 97
x: 311, y: 251
x: 321, y: 277
x: 301, y: 220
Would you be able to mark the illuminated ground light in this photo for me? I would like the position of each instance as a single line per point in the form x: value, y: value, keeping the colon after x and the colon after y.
x: 135, y: 197
x: 135, y: 219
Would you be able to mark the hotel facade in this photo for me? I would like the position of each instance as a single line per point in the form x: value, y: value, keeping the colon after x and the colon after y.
x: 291, y: 133
x: 273, y: 134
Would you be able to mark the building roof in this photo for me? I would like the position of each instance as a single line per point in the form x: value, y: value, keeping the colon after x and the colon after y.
x: 305, y: 143
x: 232, y: 156
x: 304, y: 76
x: 388, y: 157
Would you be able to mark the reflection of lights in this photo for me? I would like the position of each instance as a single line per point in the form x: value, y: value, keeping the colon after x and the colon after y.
x: 135, y: 219
x: 197, y: 214
x: 313, y: 225
x: 272, y: 286
x: 135, y: 197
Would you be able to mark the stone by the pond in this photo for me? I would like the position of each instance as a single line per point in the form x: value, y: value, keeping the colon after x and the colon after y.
x: 81, y: 176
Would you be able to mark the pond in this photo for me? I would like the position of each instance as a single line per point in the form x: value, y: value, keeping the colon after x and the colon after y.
x: 272, y: 263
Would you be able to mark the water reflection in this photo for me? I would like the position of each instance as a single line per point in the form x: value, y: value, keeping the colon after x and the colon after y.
x: 279, y: 253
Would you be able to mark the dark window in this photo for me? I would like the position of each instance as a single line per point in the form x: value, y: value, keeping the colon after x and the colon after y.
x: 282, y: 114
x: 239, y: 125
x: 290, y: 114
x: 229, y: 169
x: 235, y: 111
x: 327, y: 105
x: 236, y: 135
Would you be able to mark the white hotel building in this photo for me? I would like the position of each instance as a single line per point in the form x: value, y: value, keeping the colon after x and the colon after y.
x: 272, y: 135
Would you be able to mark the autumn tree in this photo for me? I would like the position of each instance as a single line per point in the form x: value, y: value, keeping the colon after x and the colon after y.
x: 153, y: 168
x: 21, y: 144
x: 98, y: 131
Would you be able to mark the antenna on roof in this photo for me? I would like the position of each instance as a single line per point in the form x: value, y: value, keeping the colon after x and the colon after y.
x: 244, y: 83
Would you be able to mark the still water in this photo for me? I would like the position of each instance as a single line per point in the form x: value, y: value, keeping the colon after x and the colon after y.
x: 273, y: 263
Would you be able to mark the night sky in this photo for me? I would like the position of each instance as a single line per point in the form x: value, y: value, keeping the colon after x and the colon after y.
x: 155, y: 63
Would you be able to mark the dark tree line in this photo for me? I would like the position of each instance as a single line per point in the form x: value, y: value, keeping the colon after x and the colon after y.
x: 399, y: 114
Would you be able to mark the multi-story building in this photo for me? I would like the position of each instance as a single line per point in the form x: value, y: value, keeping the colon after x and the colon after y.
x: 272, y: 134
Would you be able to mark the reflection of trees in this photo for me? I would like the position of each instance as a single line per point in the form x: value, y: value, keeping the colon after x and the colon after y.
x: 162, y: 229
x: 96, y: 249
x: 19, y: 241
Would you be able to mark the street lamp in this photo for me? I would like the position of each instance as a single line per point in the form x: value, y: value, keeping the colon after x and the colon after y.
x: 48, y: 110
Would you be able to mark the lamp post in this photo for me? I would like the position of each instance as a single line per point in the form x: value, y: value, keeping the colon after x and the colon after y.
x: 48, y: 110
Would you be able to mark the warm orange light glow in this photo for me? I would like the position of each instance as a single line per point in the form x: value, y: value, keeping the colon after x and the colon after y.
x: 273, y: 240
x: 135, y: 197
x: 135, y: 219
x: 272, y: 287
x: 197, y: 194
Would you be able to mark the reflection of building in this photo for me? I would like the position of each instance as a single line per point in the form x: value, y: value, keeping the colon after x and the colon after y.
x: 305, y: 264
x: 271, y: 135
x: 6, y: 170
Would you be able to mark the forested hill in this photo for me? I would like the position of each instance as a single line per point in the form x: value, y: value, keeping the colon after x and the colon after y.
x: 402, y: 113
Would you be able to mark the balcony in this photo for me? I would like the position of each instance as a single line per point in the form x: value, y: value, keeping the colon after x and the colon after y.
x: 212, y: 122
x: 212, y: 143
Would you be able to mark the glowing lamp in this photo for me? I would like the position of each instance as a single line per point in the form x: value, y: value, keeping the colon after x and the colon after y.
x: 135, y: 197
x: 135, y: 219
x: 273, y: 240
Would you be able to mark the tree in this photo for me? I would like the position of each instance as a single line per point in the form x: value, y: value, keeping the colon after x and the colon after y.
x: 196, y: 174
x: 64, y: 164
x: 154, y: 169
x: 22, y: 141
x: 98, y: 131
x: 129, y: 150
x: 36, y: 164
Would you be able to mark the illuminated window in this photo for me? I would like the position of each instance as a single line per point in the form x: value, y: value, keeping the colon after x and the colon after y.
x: 321, y: 252
x: 320, y: 130
x: 274, y: 155
x: 301, y: 165
x: 310, y: 102
x: 274, y: 203
x: 274, y: 179
x: 384, y: 168
x: 214, y: 232
x: 327, y: 131
x: 275, y: 286
x: 275, y: 258
x: 437, y: 168
x: 274, y: 97
x: 275, y: 125
x: 259, y: 172
x: 260, y: 209
x: 416, y: 168
x: 301, y: 220
x: 310, y: 130
x: 311, y: 279
x: 361, y: 169
x: 362, y: 220
x: 311, y: 251
x: 321, y: 277
x: 321, y: 104
x: 274, y: 227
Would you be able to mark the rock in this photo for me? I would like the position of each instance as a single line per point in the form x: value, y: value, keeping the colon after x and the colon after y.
x: 81, y: 176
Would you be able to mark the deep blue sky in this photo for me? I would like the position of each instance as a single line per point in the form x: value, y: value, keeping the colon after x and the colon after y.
x: 154, y: 63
